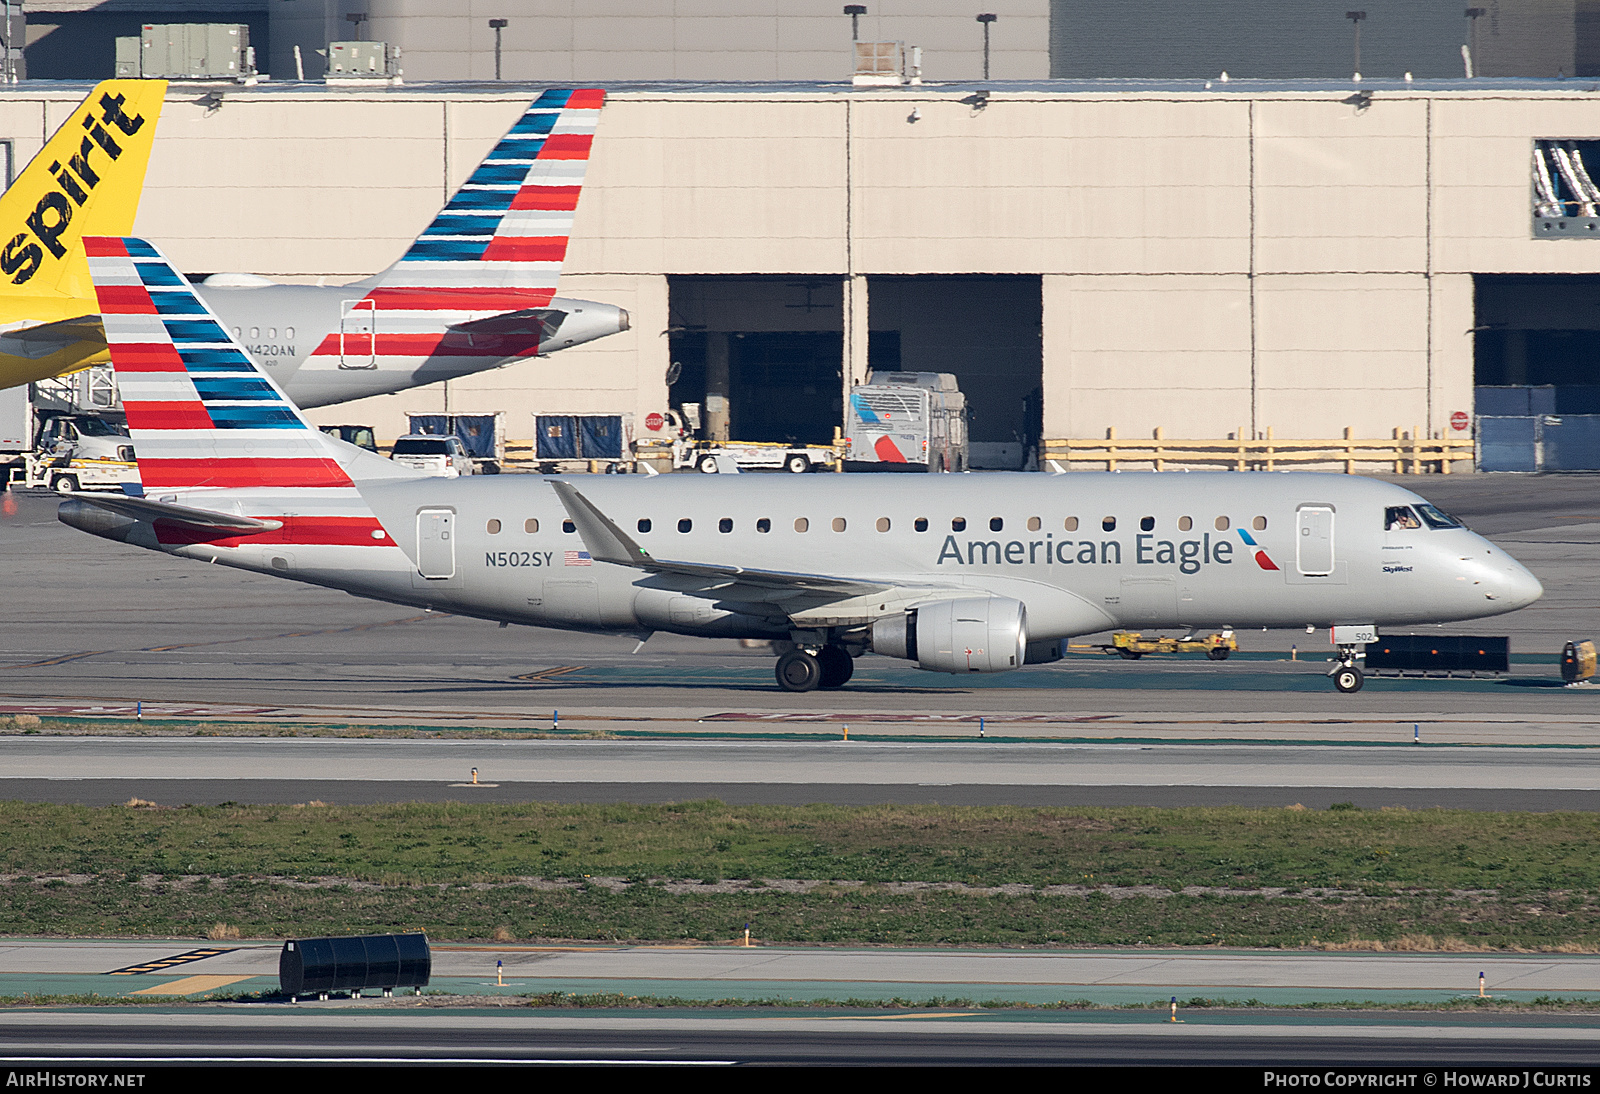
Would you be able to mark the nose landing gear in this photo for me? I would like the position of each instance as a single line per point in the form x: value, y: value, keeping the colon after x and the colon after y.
x: 1346, y: 673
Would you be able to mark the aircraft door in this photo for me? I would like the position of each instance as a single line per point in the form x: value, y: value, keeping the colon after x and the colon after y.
x: 1314, y: 540
x: 436, y: 543
x: 358, y: 334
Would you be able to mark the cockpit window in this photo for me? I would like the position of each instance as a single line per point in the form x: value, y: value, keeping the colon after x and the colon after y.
x: 1399, y: 516
x: 1436, y: 518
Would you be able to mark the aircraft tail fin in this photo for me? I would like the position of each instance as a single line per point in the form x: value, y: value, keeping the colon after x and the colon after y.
x: 202, y: 415
x: 499, y: 243
x: 85, y: 181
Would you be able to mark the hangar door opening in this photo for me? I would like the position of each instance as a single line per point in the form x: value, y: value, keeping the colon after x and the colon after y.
x: 985, y: 329
x: 1536, y: 365
x: 758, y: 358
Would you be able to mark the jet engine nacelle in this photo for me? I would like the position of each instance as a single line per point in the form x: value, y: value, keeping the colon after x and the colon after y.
x: 980, y: 634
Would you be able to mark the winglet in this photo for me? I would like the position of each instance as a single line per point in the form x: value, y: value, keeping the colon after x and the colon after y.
x: 606, y: 542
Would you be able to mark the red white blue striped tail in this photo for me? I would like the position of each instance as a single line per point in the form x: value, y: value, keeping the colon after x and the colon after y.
x: 208, y: 426
x: 499, y: 244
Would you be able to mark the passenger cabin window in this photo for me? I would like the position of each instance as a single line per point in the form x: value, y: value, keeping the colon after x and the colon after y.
x: 725, y: 524
x: 1259, y: 524
x: 685, y: 524
x: 996, y: 524
x: 838, y: 524
x: 568, y: 527
x: 763, y: 525
x: 1185, y: 523
x: 531, y: 525
x: 920, y: 524
x: 1399, y: 516
x: 959, y: 524
x: 1070, y: 524
x: 644, y: 524
x: 1221, y: 524
x: 801, y: 524
x: 288, y: 332
x: 883, y: 524
x: 1147, y: 524
x: 494, y: 527
x: 1109, y: 524
x: 1034, y: 524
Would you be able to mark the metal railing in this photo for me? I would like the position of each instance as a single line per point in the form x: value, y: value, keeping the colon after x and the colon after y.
x: 1403, y: 453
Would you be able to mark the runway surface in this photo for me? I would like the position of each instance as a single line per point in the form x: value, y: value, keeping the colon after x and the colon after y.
x: 952, y: 1031
x: 180, y: 770
x: 955, y: 1036
x: 197, y: 967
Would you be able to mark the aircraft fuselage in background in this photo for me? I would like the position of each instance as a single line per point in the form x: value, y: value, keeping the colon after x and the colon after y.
x: 320, y: 346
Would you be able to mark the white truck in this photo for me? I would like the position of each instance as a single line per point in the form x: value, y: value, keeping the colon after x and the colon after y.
x: 64, y: 452
x: 711, y: 457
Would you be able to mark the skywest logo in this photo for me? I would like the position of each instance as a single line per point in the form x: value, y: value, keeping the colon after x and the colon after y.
x: 23, y: 256
x: 1188, y: 555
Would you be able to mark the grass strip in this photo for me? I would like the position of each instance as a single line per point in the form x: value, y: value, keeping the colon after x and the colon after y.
x: 434, y: 1000
x: 825, y: 915
x: 1293, y: 849
x: 911, y: 875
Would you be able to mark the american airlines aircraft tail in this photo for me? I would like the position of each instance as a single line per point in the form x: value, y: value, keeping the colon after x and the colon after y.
x: 474, y: 291
x: 958, y: 573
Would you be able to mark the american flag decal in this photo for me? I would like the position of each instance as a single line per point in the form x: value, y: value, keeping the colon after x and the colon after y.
x: 578, y: 558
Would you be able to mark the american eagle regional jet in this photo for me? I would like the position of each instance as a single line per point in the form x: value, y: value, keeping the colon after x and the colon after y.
x: 476, y: 290
x: 958, y: 573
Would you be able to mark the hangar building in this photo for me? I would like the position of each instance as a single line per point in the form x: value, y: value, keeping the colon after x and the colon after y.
x: 1213, y: 259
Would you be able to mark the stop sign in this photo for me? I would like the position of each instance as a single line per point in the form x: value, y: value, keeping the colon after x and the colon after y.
x: 1459, y: 421
x: 654, y: 421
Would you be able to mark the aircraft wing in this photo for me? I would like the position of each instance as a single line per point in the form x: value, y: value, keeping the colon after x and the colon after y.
x: 608, y: 543
x: 145, y: 509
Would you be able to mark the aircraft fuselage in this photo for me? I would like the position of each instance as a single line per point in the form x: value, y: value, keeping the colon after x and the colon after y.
x: 322, y: 346
x: 1084, y: 552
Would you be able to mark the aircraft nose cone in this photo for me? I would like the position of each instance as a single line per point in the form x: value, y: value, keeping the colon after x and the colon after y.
x: 1522, y: 587
x: 1518, y: 587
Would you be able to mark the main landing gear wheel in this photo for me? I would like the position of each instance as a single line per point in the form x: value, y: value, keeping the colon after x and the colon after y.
x: 1218, y: 653
x: 799, y: 670
x: 1348, y: 679
x: 837, y: 666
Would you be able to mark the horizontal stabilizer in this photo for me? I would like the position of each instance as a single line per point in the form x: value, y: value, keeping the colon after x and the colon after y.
x: 145, y: 509
x: 537, y: 323
x: 608, y: 543
x: 45, y: 339
x: 61, y: 331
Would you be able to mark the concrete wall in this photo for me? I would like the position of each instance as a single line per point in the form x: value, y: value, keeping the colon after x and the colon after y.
x: 1210, y: 261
